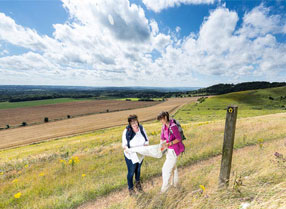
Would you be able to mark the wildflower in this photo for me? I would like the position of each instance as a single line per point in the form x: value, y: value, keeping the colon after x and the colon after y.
x: 83, y: 175
x: 1, y: 173
x: 74, y: 160
x: 18, y: 195
x: 63, y: 161
x: 15, y: 181
x: 42, y: 174
x: 26, y: 166
x: 203, y: 188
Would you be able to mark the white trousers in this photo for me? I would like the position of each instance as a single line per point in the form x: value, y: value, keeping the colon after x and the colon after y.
x: 169, y: 171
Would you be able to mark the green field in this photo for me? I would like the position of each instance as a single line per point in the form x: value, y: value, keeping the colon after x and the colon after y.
x: 250, y: 103
x: 67, y: 172
x: 8, y: 105
x: 136, y: 99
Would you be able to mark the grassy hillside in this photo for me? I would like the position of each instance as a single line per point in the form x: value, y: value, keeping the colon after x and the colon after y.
x: 250, y: 103
x: 258, y: 181
x: 68, y: 172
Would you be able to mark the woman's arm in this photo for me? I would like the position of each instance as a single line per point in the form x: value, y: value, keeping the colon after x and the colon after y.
x: 173, y: 142
x: 177, y: 135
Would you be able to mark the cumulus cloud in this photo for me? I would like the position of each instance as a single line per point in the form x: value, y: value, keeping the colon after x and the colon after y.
x: 21, y: 36
x: 259, y: 22
x: 159, y: 5
x: 113, y: 43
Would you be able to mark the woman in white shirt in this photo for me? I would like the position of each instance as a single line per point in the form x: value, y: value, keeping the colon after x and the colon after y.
x: 134, y: 135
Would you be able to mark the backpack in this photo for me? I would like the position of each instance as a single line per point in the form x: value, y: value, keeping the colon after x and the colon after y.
x: 130, y: 134
x: 180, y: 129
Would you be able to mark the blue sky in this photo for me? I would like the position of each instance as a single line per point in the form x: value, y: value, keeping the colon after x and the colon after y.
x: 142, y: 43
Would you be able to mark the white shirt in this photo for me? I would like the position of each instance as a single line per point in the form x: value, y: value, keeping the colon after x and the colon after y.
x: 137, y: 141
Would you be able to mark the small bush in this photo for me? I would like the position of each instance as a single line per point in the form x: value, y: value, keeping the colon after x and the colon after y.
x: 107, y: 110
x: 7, y: 126
x: 46, y: 119
x: 68, y: 116
x: 271, y: 98
x: 24, y: 123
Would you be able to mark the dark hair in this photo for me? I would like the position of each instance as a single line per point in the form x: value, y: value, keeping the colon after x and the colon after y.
x: 163, y: 115
x: 131, y: 118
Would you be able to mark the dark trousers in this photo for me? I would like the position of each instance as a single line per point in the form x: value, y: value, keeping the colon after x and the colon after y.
x: 132, y: 169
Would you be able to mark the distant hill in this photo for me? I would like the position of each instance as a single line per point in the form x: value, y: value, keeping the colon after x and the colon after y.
x: 19, y: 93
x: 228, y: 88
x: 250, y: 103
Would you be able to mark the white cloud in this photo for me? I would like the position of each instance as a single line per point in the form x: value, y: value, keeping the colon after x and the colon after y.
x: 178, y: 29
x: 24, y: 37
x: 159, y: 5
x: 259, y: 22
x: 113, y: 43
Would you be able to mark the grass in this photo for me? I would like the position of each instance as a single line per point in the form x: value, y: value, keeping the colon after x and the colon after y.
x: 137, y: 99
x: 259, y: 182
x: 44, y: 177
x: 47, y: 182
x: 250, y: 103
x: 8, y: 105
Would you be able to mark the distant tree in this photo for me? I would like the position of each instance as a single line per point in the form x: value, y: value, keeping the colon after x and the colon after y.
x: 68, y: 116
x: 24, y: 123
x: 46, y: 119
x: 7, y: 126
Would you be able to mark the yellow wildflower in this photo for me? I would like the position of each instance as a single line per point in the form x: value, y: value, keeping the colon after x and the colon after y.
x: 42, y: 174
x: 26, y: 166
x: 74, y: 160
x: 15, y: 181
x: 18, y: 195
x: 1, y: 173
x: 83, y: 175
x: 203, y: 188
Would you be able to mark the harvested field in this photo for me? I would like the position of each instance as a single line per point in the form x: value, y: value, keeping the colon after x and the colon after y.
x: 57, y: 129
x: 32, y: 115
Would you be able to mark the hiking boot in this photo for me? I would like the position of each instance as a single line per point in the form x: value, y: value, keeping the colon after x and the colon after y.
x: 138, y: 186
x: 131, y: 192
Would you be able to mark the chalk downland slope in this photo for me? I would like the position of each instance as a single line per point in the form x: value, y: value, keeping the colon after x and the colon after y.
x: 257, y: 180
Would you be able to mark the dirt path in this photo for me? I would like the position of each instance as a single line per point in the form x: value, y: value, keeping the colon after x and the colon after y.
x: 74, y: 126
x: 122, y: 195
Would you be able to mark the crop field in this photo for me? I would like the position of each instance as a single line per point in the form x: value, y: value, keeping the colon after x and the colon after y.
x: 8, y: 105
x: 36, y: 114
x: 52, y: 130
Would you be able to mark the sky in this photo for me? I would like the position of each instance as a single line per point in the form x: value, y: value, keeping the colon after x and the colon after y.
x: 162, y: 43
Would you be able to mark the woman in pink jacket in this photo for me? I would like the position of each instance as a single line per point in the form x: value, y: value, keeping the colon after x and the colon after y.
x: 171, y: 135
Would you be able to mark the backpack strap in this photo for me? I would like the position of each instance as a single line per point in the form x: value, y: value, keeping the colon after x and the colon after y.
x: 170, y: 128
x: 142, y: 132
x: 129, y: 135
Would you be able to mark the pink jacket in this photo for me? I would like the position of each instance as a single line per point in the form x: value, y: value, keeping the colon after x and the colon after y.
x: 179, y: 147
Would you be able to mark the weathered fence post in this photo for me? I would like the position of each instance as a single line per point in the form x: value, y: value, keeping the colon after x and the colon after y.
x: 228, y: 142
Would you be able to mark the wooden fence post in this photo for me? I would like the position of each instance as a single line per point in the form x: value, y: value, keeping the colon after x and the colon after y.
x: 227, y: 149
